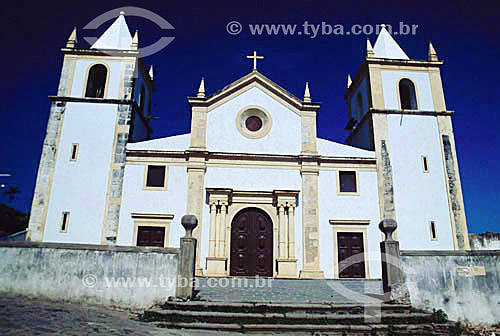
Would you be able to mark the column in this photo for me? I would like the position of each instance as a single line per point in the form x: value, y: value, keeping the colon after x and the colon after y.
x: 291, y: 232
x: 213, y: 215
x: 282, y: 231
x: 221, y: 231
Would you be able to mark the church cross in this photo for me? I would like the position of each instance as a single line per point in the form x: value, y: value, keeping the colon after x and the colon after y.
x: 255, y: 58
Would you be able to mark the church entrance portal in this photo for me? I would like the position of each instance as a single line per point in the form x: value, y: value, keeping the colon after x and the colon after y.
x: 251, y: 244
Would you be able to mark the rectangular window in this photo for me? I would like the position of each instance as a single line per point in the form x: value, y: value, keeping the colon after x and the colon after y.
x: 155, y: 177
x: 425, y: 164
x: 65, y: 221
x: 433, y: 230
x: 74, y: 152
x: 151, y: 236
x: 347, y: 182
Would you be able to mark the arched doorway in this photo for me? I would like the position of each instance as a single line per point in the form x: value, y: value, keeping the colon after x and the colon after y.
x: 251, y: 244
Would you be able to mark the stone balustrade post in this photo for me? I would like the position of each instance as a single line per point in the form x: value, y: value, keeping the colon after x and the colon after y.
x: 392, y: 274
x: 187, y: 259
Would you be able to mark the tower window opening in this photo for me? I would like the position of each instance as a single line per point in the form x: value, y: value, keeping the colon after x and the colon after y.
x: 425, y: 164
x: 64, y: 221
x: 74, y: 152
x: 433, y: 231
x: 96, y: 81
x: 407, y: 95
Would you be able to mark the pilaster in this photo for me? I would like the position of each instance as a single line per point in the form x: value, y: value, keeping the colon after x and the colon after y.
x: 198, y: 128
x: 117, y: 165
x: 308, y: 121
x: 41, y: 196
x: 452, y: 174
x: 195, y: 195
x: 310, y: 222
x: 453, y: 184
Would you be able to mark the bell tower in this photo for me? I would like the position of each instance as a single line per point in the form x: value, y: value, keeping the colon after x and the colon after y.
x: 103, y: 102
x: 397, y: 108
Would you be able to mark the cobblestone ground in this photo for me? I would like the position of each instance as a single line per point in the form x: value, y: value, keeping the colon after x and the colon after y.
x: 287, y: 290
x: 33, y: 316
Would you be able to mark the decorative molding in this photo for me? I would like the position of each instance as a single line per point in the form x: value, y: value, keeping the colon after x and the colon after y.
x: 349, y: 222
x: 152, y: 216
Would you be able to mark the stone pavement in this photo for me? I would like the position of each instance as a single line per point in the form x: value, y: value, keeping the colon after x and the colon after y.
x: 34, y: 316
x: 287, y: 290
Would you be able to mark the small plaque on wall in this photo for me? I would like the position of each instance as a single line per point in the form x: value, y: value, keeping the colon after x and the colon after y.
x: 468, y: 271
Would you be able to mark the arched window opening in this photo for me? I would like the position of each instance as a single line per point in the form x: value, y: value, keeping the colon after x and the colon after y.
x: 96, y: 81
x: 407, y: 95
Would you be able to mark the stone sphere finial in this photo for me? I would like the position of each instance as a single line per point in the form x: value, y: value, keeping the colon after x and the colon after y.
x: 190, y: 222
x: 388, y: 226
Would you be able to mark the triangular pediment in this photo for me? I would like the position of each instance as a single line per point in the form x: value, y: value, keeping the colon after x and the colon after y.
x: 254, y: 79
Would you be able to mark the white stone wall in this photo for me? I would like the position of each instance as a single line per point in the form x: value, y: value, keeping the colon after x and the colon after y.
x: 419, y: 197
x: 422, y: 84
x: 283, y: 138
x: 79, y: 77
x: 137, y: 200
x: 333, y: 206
x: 80, y: 186
x: 90, y: 274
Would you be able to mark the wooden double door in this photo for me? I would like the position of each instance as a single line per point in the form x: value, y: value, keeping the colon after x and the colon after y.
x: 251, y: 244
x: 351, y: 255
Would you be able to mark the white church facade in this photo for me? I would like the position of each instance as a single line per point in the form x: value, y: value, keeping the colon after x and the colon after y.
x: 272, y: 198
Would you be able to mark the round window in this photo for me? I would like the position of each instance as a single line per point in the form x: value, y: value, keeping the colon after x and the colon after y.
x: 253, y: 123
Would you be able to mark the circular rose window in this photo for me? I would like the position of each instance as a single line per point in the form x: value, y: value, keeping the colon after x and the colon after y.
x: 253, y: 123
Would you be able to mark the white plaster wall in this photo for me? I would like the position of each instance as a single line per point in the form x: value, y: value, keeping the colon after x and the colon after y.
x: 356, y: 113
x: 419, y: 197
x: 79, y: 77
x: 80, y: 186
x: 223, y: 136
x: 253, y: 179
x: 341, y: 207
x: 137, y: 200
x: 390, y: 79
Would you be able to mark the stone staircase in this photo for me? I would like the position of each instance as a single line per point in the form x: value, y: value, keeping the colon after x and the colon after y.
x: 285, y: 307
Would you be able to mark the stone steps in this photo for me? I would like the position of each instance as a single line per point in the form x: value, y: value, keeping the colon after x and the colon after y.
x: 305, y: 329
x: 332, y: 319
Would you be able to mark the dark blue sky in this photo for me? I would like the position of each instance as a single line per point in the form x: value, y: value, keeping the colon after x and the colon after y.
x: 465, y: 34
